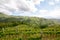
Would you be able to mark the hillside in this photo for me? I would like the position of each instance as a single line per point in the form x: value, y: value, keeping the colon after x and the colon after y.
x: 28, y: 28
x: 3, y: 15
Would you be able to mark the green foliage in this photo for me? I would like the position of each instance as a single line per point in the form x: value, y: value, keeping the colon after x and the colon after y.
x: 28, y: 28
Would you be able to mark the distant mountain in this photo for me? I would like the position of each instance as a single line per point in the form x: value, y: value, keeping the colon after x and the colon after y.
x: 24, y: 18
x: 57, y: 20
x: 3, y: 15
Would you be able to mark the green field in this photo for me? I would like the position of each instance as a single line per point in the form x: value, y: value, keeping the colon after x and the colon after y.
x: 28, y: 28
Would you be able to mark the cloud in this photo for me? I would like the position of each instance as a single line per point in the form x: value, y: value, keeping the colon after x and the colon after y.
x: 57, y: 0
x: 5, y: 11
x: 55, y: 13
x: 43, y: 11
x: 51, y: 3
x: 29, y: 8
x: 36, y: 1
x: 19, y: 5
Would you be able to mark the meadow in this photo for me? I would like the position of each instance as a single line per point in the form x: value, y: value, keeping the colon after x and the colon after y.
x: 28, y: 28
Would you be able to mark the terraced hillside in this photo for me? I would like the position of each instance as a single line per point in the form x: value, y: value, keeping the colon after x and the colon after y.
x: 28, y: 28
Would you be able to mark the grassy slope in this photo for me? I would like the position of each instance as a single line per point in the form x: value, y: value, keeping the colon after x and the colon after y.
x: 29, y: 30
x: 25, y: 32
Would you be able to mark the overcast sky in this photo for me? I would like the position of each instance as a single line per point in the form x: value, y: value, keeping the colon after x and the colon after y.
x: 38, y: 8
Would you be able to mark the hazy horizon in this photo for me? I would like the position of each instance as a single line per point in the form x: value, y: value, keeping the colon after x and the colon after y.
x: 37, y: 8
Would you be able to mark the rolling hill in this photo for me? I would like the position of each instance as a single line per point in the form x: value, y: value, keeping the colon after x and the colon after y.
x: 28, y: 28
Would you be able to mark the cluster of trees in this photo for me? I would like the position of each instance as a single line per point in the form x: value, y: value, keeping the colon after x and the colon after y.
x: 31, y: 21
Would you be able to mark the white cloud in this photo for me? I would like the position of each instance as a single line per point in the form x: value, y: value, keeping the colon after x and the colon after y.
x: 43, y: 11
x: 57, y: 0
x: 37, y: 1
x: 19, y: 5
x: 28, y: 6
x: 51, y: 3
x: 5, y: 11
x: 55, y: 13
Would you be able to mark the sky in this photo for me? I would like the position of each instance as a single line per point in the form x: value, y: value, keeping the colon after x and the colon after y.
x: 34, y: 8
